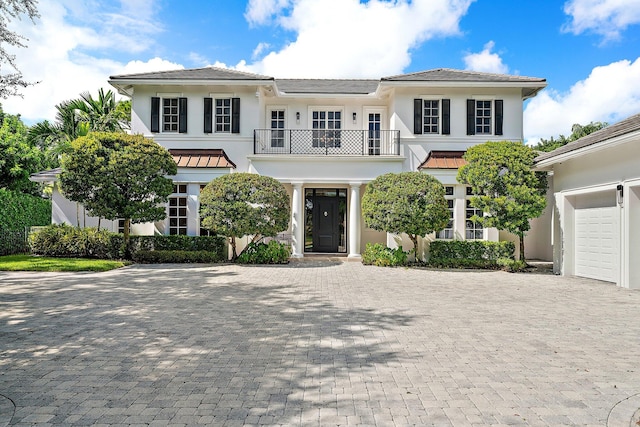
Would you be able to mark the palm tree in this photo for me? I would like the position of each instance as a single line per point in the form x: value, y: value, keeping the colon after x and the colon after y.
x: 100, y: 113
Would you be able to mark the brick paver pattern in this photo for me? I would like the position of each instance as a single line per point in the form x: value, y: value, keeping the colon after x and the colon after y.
x: 315, y: 343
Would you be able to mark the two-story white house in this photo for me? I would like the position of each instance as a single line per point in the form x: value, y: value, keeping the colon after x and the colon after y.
x: 323, y: 139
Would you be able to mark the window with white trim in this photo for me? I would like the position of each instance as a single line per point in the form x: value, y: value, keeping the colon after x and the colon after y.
x: 447, y: 232
x: 121, y: 226
x: 373, y: 137
x: 326, y: 127
x: 473, y: 229
x: 178, y: 210
x: 277, y: 128
x: 431, y: 116
x: 223, y: 115
x: 170, y: 114
x: 483, y: 117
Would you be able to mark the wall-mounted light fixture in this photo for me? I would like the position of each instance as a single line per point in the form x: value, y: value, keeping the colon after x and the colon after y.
x: 620, y: 194
x: 354, y: 117
x: 297, y: 116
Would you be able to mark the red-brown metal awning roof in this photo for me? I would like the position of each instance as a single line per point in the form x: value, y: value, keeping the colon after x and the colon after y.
x: 443, y: 160
x: 203, y: 158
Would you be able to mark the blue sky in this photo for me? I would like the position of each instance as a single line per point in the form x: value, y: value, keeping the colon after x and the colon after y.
x: 588, y: 50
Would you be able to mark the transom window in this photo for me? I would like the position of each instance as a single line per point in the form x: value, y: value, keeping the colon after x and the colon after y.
x: 178, y: 210
x: 170, y: 115
x: 474, y: 230
x: 447, y: 232
x: 326, y: 127
x: 483, y: 117
x: 223, y: 115
x: 277, y: 126
x: 431, y: 116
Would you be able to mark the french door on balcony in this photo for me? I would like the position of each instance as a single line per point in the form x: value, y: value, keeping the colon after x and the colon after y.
x: 374, y: 118
x: 326, y: 125
x: 277, y: 124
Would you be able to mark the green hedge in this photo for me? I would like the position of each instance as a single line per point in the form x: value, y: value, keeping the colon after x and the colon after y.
x: 173, y: 256
x: 382, y: 256
x: 469, y: 253
x: 19, y: 211
x: 265, y: 253
x: 67, y: 241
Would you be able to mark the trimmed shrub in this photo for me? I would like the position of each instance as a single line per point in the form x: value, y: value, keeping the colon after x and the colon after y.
x: 171, y: 256
x: 469, y: 253
x: 512, y: 265
x: 265, y: 253
x: 67, y: 241
x: 382, y: 256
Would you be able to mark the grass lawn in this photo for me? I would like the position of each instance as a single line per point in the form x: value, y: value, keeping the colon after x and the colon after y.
x: 37, y: 263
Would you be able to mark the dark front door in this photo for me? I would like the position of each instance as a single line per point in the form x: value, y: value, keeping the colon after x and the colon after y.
x: 326, y: 223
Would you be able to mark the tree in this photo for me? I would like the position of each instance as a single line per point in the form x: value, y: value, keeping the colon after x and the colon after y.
x: 506, y: 188
x: 244, y: 204
x: 119, y: 176
x: 18, y: 157
x: 407, y: 202
x: 577, y: 132
x: 11, y: 9
x: 77, y: 117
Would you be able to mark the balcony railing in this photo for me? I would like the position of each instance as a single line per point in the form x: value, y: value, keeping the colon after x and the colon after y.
x: 327, y: 142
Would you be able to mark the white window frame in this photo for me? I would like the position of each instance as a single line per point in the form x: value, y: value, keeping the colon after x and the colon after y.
x: 329, y: 137
x: 477, y: 227
x: 277, y: 134
x: 492, y: 111
x: 178, y: 201
x: 438, y: 117
x: 448, y: 233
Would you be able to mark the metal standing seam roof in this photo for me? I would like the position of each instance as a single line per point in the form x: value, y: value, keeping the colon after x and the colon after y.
x: 443, y: 160
x: 201, y: 158
x: 626, y: 126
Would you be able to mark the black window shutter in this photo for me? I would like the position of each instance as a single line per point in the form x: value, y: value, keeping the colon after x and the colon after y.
x: 235, y: 115
x: 471, y: 117
x: 417, y: 116
x: 182, y: 113
x: 446, y: 116
x: 155, y: 114
x: 499, y: 116
x: 208, y: 115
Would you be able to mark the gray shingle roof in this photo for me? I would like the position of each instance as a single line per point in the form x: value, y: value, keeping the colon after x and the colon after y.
x: 451, y: 75
x: 347, y: 86
x: 628, y: 125
x: 207, y: 73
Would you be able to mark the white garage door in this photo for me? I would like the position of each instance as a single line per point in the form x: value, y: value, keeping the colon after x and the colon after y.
x: 597, y: 243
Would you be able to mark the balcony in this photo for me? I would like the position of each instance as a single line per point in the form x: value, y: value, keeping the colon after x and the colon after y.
x: 326, y: 142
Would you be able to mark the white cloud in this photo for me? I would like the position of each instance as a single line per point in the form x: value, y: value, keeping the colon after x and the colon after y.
x: 261, y: 11
x: 57, y: 51
x: 347, y: 38
x: 259, y: 49
x: 610, y: 94
x: 485, y: 61
x: 604, y: 17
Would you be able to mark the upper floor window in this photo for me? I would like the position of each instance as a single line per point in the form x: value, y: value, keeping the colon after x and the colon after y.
x: 224, y: 113
x: 171, y: 111
x: 326, y: 127
x: 484, y: 117
x: 277, y: 128
x: 431, y: 116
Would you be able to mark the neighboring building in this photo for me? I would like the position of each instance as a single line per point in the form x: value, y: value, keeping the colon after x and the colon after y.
x: 596, y: 188
x: 324, y: 139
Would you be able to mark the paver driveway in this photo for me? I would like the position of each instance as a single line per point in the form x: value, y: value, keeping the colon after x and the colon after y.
x: 315, y: 343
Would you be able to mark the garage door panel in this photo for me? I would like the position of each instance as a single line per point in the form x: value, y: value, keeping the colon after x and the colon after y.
x: 597, y: 243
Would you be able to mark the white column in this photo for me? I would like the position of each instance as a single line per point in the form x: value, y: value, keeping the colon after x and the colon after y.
x: 297, y: 221
x: 354, y: 220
